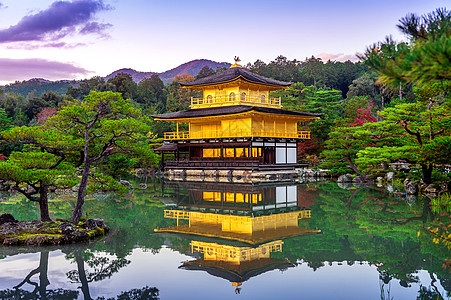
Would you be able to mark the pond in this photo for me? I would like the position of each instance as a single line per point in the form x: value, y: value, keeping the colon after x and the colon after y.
x: 175, y: 240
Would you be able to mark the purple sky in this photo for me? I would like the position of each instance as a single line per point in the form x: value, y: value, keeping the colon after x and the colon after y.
x: 82, y: 38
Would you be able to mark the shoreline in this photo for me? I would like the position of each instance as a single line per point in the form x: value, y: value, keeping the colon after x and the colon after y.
x: 48, y: 233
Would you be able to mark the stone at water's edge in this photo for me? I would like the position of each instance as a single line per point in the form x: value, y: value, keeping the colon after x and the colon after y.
x: 127, y: 184
x: 143, y: 186
x: 94, y: 223
x: 7, y: 218
x: 411, y: 188
x: 345, y: 178
x: 66, y: 228
x: 344, y: 185
x: 390, y: 176
x: 431, y: 189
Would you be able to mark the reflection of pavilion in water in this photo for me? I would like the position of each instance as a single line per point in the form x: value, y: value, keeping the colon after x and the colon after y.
x: 250, y: 222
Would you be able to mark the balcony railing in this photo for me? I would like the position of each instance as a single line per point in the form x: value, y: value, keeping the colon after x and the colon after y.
x: 210, y: 101
x: 213, y: 134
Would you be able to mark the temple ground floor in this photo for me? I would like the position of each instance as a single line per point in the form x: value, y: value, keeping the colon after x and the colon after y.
x: 248, y: 159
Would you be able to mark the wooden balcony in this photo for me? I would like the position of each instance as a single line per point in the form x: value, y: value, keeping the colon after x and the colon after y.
x: 185, y: 135
x: 237, y: 100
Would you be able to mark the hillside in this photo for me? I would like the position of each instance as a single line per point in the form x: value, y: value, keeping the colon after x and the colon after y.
x: 40, y: 85
x: 191, y: 68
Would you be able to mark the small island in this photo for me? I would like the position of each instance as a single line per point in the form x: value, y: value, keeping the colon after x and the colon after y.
x: 48, y: 233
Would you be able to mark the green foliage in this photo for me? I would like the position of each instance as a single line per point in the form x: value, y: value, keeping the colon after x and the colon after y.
x: 124, y: 84
x: 36, y: 170
x: 101, y: 126
x: 342, y: 148
x: 422, y: 128
x: 352, y: 106
x: 85, y: 86
x: 205, y: 72
x: 38, y: 87
x: 178, y: 97
x: 312, y: 71
x: 311, y: 99
x: 151, y: 94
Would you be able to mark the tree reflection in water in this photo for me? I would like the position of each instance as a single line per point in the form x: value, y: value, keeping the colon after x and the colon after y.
x: 40, y: 288
x: 101, y: 268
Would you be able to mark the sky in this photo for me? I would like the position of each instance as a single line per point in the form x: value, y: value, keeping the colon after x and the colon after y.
x: 76, y: 39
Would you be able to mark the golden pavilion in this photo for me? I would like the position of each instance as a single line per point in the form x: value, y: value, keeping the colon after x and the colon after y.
x: 234, y: 126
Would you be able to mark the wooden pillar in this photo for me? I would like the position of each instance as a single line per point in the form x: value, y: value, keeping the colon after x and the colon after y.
x: 162, y: 161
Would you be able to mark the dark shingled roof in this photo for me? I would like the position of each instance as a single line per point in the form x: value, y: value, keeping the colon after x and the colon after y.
x: 245, y: 271
x: 166, y: 147
x: 228, y: 110
x: 232, y: 74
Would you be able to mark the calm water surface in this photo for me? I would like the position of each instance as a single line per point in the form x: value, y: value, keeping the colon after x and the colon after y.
x: 226, y: 241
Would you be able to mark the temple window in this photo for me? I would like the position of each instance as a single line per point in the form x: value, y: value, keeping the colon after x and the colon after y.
x: 211, y: 152
x: 263, y: 98
x: 243, y: 96
x: 242, y: 152
x: 232, y: 96
x: 256, y: 152
x: 209, y: 99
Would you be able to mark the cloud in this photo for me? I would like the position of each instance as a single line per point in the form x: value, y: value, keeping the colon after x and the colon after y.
x: 337, y: 57
x: 34, y: 46
x: 2, y: 5
x: 95, y: 27
x: 58, y: 21
x: 24, y: 69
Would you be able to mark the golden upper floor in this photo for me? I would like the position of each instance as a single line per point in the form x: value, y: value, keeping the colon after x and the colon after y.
x: 235, y: 86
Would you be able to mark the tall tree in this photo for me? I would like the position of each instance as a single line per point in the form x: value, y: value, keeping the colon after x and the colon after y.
x: 178, y: 97
x: 103, y: 124
x: 425, y: 64
x: 41, y: 167
x: 205, y: 72
x: 124, y: 84
x: 151, y: 93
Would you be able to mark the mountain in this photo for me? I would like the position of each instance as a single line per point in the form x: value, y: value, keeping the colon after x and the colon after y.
x: 40, y: 85
x: 191, y: 68
x: 136, y: 75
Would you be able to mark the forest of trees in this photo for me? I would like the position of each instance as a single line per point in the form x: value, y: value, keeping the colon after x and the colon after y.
x: 392, y: 106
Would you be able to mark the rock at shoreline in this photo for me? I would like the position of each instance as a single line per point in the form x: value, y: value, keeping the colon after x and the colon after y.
x: 7, y: 218
x: 411, y: 188
x: 431, y: 189
x: 66, y: 228
x: 344, y: 178
x: 127, y: 184
x: 390, y: 176
x: 344, y: 185
x: 96, y: 223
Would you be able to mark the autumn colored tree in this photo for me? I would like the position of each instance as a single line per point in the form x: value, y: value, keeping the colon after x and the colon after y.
x: 45, y: 114
x: 178, y: 97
